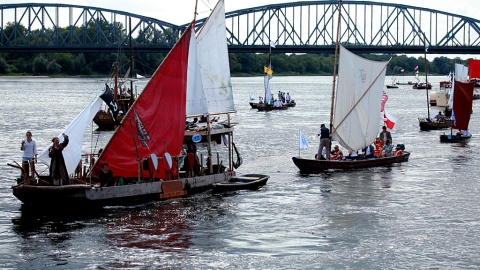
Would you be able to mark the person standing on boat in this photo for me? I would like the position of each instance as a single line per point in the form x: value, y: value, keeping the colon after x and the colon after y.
x: 287, y: 98
x: 324, y: 134
x: 29, y: 157
x: 385, y: 135
x: 58, y: 169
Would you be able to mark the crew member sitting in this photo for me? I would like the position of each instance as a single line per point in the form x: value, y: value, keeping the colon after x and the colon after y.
x: 440, y: 116
x: 337, y: 154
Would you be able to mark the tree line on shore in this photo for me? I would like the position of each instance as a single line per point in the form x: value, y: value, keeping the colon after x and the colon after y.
x: 241, y: 64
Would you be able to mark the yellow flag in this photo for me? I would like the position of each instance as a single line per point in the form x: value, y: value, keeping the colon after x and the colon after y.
x: 267, y: 70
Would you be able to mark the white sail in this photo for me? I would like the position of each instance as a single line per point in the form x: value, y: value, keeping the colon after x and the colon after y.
x: 76, y: 132
x: 358, y: 100
x: 213, y: 62
x: 461, y: 72
x: 196, y: 102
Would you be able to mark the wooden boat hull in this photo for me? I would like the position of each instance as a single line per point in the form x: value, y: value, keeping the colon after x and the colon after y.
x: 255, y: 105
x: 104, y: 120
x: 248, y: 181
x: 447, y: 138
x: 272, y: 108
x: 314, y: 165
x: 84, y: 195
x: 427, y: 125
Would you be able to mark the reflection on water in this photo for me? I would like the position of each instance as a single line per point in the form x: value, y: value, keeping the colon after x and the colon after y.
x: 395, y: 217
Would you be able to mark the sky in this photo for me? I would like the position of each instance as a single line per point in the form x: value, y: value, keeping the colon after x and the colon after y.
x: 181, y: 11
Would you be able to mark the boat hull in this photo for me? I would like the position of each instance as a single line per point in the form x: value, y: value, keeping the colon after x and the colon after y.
x: 314, y: 165
x: 255, y: 105
x: 272, y: 108
x: 447, y: 138
x: 104, y: 120
x: 427, y: 125
x: 84, y: 195
x: 248, y: 181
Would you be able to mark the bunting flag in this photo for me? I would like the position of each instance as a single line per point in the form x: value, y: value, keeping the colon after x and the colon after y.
x: 107, y: 97
x: 143, y: 135
x: 267, y: 70
x: 384, y: 100
x: 416, y: 68
x: 390, y: 119
x: 303, y: 144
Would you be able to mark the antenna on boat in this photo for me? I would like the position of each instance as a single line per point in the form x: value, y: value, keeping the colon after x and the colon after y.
x: 335, y: 66
x: 131, y: 60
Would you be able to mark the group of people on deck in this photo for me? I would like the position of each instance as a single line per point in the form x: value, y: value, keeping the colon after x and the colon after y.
x: 382, y: 147
x: 277, y: 102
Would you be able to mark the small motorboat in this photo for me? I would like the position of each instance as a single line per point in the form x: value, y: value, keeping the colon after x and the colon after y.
x: 247, y: 181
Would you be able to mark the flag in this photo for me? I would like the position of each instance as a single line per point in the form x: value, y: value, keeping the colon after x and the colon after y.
x: 267, y: 70
x: 384, y: 100
x: 403, y: 70
x: 107, y: 97
x: 303, y: 144
x: 143, y: 135
x: 390, y: 119
x: 416, y: 68
x: 426, y: 48
x: 272, y: 44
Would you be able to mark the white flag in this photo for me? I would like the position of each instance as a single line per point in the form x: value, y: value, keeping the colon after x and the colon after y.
x: 272, y: 44
x: 303, y: 144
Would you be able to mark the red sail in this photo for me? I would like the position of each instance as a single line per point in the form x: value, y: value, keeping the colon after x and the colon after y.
x: 462, y: 104
x: 155, y: 123
x: 474, y: 68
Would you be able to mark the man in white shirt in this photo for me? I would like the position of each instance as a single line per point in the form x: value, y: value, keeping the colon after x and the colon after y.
x: 29, y: 157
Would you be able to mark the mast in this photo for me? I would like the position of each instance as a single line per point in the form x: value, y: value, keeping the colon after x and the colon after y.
x: 426, y: 73
x: 131, y: 60
x: 335, y: 66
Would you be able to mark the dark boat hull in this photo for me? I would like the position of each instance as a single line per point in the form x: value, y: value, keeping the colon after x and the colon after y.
x: 255, y: 105
x: 104, y: 120
x: 447, y: 138
x: 392, y: 86
x: 427, y: 125
x: 85, y: 195
x: 248, y: 181
x: 315, y: 166
x: 272, y: 108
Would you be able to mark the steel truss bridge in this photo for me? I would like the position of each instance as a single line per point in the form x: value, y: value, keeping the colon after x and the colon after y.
x: 298, y: 27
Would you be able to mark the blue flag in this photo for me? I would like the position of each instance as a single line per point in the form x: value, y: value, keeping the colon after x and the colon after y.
x: 303, y: 144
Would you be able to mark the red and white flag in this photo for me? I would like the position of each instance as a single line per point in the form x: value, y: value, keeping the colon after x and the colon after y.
x: 384, y: 100
x: 416, y: 68
x: 403, y: 70
x: 389, y: 119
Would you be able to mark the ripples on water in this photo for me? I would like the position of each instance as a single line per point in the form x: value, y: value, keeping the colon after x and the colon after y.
x: 421, y: 214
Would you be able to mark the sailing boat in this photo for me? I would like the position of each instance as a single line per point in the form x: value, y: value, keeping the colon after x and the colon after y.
x: 144, y: 152
x: 427, y: 123
x: 461, y: 112
x: 268, y: 99
x: 355, y: 112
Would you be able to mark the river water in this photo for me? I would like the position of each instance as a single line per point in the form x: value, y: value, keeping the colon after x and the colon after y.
x: 418, y: 215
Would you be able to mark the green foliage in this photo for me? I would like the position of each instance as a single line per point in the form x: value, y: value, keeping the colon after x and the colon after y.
x: 3, y: 65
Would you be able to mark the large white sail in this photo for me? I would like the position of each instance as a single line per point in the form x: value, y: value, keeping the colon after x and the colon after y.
x: 196, y: 102
x: 213, y: 62
x: 76, y: 132
x: 358, y: 100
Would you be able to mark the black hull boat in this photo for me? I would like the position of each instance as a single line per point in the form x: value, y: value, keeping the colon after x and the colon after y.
x: 272, y: 108
x: 255, y: 105
x: 316, y: 166
x: 248, y: 181
x: 392, y: 86
x: 426, y: 125
x: 458, y: 138
x: 84, y: 195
